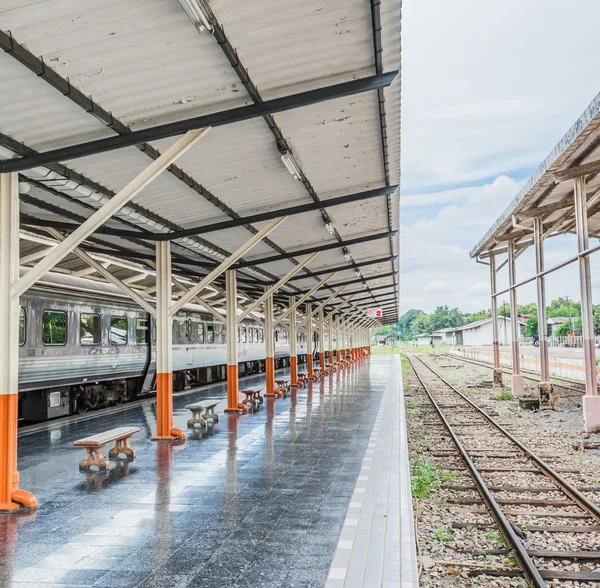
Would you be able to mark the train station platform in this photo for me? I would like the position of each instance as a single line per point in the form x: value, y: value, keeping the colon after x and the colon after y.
x: 312, y: 490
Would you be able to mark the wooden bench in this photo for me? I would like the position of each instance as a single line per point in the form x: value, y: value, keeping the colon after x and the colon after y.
x: 253, y: 397
x: 93, y: 446
x: 302, y: 379
x: 202, y: 419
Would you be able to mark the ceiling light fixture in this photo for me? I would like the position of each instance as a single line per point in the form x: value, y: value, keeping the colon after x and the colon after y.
x: 357, y: 272
x: 330, y: 228
x: 291, y: 165
x: 199, y: 13
x: 348, y: 256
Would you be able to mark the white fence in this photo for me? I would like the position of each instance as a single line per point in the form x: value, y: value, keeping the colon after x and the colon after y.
x: 575, y: 341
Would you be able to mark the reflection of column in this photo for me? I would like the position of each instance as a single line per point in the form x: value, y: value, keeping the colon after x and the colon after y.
x: 163, y: 532
x: 10, y: 495
x: 517, y: 377
x: 591, y: 400
x: 338, y: 343
x: 8, y: 541
x: 269, y: 447
x: 293, y: 344
x: 294, y: 402
x: 232, y: 449
x: 330, y: 336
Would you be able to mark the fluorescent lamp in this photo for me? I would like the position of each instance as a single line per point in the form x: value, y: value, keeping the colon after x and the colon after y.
x: 357, y: 272
x: 291, y: 165
x: 199, y: 13
x: 348, y: 256
x: 330, y: 228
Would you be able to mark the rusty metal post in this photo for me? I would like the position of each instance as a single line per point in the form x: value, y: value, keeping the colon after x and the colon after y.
x: 546, y: 391
x: 517, y: 377
x: 496, y: 343
x: 591, y: 400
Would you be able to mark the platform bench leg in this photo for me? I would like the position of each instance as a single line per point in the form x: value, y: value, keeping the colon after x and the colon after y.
x: 197, y: 419
x: 93, y: 457
x: 122, y: 446
x: 210, y: 413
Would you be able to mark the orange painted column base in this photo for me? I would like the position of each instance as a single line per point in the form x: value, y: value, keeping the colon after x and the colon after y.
x: 233, y: 397
x: 293, y: 370
x: 310, y: 367
x: 322, y: 362
x: 164, y: 410
x: 270, y: 375
x: 11, y: 498
x: 339, y: 356
x: 331, y: 364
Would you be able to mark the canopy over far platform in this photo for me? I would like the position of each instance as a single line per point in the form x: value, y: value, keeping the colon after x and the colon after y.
x: 549, y: 193
x: 302, y: 99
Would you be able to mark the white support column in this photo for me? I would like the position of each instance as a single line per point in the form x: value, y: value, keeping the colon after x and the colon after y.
x: 269, y: 348
x: 233, y: 399
x: 304, y: 297
x: 322, y: 369
x: 591, y: 400
x: 293, y: 344
x: 338, y: 343
x: 309, y: 342
x: 330, y: 344
x: 11, y: 497
x: 164, y: 347
x: 546, y: 391
x: 517, y: 377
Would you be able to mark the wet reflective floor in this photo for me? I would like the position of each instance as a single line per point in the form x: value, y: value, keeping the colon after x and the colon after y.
x: 256, y: 500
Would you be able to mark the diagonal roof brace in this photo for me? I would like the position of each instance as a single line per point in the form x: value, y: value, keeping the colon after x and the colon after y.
x: 269, y: 291
x: 215, y: 119
x: 225, y: 264
x: 341, y: 268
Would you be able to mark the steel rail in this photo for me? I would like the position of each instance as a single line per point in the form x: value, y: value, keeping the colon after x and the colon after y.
x: 583, y: 501
x: 525, y: 562
x: 507, y: 370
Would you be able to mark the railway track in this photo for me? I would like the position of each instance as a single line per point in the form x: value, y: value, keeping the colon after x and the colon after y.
x: 525, y: 496
x: 562, y: 382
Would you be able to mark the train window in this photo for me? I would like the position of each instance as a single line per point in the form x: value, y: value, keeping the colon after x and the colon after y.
x: 118, y: 330
x: 199, y: 332
x: 89, y: 329
x: 54, y: 328
x: 183, y: 329
x: 154, y: 333
x: 250, y: 335
x: 238, y: 334
x: 256, y: 335
x: 22, y: 326
x: 243, y: 334
x: 285, y: 336
x: 276, y: 336
x: 141, y: 331
x: 262, y: 336
x: 210, y: 333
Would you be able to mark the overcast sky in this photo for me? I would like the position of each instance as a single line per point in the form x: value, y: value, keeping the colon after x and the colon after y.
x: 488, y: 89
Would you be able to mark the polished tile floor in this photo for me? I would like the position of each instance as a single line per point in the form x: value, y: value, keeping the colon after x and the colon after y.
x: 257, y: 501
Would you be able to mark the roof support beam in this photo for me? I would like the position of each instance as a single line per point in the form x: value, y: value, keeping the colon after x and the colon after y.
x: 316, y: 248
x: 215, y: 119
x: 226, y: 264
x: 321, y: 306
x: 341, y: 268
x: 368, y: 278
x: 272, y: 289
x: 108, y: 210
x: 578, y: 171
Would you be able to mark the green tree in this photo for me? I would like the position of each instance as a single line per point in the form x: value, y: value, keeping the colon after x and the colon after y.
x: 527, y: 308
x: 404, y: 324
x: 531, y: 328
x: 504, y: 309
x: 420, y: 325
x: 443, y: 317
x: 562, y: 330
x: 477, y: 316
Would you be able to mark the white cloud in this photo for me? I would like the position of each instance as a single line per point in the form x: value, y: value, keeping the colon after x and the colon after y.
x: 488, y: 90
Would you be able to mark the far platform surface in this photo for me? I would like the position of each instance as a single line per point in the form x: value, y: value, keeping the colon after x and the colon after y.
x: 312, y: 490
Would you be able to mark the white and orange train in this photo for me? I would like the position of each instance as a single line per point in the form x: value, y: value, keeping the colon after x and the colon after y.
x: 84, y: 345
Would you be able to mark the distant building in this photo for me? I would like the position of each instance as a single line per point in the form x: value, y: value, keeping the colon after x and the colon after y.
x: 425, y: 338
x: 555, y: 322
x: 480, y: 332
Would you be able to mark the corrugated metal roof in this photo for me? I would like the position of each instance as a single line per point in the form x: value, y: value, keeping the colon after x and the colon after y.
x: 147, y: 64
x: 581, y: 144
